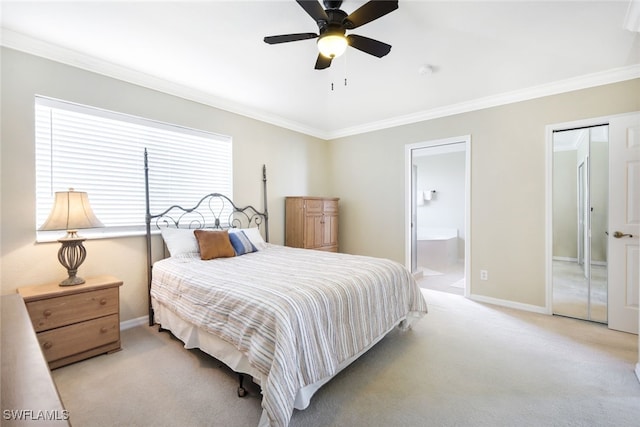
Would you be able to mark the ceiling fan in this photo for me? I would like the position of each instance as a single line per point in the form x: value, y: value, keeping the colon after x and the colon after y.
x: 332, y: 26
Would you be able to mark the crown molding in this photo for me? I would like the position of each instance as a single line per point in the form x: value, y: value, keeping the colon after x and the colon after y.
x: 27, y: 44
x: 21, y: 42
x: 575, y: 83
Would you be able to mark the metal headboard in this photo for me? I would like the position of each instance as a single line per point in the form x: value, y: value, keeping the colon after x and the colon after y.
x: 213, y: 211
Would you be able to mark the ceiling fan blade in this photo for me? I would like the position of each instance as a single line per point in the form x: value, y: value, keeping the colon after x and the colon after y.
x: 322, y: 62
x: 368, y: 12
x: 314, y: 9
x: 284, y: 38
x: 367, y: 45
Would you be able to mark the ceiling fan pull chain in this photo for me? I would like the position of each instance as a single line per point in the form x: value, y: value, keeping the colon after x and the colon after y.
x: 346, y: 69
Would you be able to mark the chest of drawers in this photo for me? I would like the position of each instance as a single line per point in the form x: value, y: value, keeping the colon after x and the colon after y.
x: 75, y: 322
x: 312, y: 223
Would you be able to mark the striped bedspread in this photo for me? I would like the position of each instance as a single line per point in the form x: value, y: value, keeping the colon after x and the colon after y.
x: 296, y: 314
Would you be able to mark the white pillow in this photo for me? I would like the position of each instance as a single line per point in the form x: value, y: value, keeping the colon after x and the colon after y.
x: 180, y: 241
x: 254, y: 236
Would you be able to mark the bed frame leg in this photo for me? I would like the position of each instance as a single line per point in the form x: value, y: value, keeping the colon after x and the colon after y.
x: 242, y: 392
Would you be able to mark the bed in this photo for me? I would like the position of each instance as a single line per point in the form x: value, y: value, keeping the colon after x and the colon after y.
x: 289, y: 318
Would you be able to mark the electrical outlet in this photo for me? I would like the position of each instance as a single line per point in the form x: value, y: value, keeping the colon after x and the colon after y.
x: 484, y: 275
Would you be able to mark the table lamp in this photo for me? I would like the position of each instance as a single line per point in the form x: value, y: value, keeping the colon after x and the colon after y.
x: 71, y: 211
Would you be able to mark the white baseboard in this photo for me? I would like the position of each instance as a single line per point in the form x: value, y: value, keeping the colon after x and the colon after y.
x: 132, y: 323
x: 509, y: 304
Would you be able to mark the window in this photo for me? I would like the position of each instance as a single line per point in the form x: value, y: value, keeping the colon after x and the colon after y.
x: 102, y: 152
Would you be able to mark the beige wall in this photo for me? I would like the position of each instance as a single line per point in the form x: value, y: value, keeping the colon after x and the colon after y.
x: 507, y: 185
x: 296, y: 165
x: 366, y: 171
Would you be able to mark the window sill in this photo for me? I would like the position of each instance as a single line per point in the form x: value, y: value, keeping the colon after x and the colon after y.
x: 91, y: 234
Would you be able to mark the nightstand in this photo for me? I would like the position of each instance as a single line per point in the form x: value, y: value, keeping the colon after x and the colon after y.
x: 73, y: 323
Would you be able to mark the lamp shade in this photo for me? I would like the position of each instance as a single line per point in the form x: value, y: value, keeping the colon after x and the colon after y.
x: 71, y: 211
x: 332, y: 45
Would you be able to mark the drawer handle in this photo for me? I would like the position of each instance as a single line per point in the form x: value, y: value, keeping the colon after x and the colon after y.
x: 47, y: 345
x: 103, y: 301
x: 47, y: 313
x: 104, y: 330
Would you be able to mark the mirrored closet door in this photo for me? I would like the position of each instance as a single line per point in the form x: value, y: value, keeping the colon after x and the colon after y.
x: 580, y: 209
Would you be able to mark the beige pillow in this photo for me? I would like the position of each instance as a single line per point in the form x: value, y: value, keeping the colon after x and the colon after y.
x: 214, y: 244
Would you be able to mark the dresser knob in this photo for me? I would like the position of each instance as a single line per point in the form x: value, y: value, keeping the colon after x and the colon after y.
x: 47, y: 345
x: 104, y: 329
x: 103, y: 301
x: 47, y: 313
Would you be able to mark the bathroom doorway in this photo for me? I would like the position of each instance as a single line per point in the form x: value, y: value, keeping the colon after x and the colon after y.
x: 438, y: 202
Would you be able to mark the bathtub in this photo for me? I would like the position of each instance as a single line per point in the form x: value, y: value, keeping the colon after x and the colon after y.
x: 437, y: 248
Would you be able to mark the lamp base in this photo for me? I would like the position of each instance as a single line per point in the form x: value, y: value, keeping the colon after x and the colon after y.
x: 71, y: 255
x: 71, y: 281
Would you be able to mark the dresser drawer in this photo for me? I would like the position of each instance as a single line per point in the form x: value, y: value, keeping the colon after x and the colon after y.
x: 78, y: 338
x: 330, y: 206
x: 313, y: 206
x: 66, y: 310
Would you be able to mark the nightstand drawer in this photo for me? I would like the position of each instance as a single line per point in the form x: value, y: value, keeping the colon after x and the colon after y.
x: 78, y: 338
x: 66, y: 310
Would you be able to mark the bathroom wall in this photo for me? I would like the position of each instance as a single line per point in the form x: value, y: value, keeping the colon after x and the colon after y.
x: 444, y: 173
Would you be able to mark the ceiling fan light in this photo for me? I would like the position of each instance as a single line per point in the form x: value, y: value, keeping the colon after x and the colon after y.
x: 332, y: 45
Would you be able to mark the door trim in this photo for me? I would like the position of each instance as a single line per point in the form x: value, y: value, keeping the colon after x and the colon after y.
x: 409, y: 199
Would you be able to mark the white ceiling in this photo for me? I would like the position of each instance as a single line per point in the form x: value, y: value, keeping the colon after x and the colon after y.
x: 482, y: 53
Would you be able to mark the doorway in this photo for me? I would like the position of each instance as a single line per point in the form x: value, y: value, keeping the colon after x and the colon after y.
x: 437, y: 202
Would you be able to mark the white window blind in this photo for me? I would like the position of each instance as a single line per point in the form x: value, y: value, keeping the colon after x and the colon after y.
x: 102, y: 152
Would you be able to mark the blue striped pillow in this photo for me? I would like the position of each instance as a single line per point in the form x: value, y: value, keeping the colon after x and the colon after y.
x: 241, y: 243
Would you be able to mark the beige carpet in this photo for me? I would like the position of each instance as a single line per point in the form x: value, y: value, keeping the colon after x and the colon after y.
x: 464, y: 364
